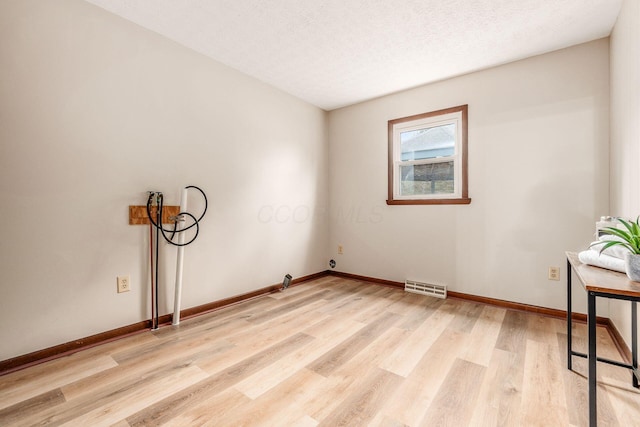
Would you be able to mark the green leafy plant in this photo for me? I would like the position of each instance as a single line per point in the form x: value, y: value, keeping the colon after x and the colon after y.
x: 629, y: 238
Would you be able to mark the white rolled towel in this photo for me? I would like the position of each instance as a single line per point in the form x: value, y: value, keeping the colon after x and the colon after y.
x: 617, y: 251
x: 605, y: 261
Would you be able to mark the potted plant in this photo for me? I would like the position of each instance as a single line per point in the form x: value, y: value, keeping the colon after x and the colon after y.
x: 629, y: 237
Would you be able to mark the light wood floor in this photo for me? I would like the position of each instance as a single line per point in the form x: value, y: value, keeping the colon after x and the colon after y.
x: 330, y: 352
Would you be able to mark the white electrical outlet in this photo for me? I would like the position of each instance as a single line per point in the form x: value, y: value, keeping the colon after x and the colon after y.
x: 124, y: 284
x: 340, y: 250
x: 554, y: 273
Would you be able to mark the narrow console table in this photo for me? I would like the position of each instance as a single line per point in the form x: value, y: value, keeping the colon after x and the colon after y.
x: 599, y: 282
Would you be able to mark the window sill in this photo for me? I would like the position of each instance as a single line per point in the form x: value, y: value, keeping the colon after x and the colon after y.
x: 460, y: 201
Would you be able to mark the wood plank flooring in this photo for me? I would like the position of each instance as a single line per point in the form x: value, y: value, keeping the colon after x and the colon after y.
x: 331, y: 352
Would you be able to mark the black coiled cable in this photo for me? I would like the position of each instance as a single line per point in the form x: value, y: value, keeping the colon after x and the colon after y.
x: 158, y: 222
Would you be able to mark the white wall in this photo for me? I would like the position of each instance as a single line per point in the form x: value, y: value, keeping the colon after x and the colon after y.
x: 538, y: 177
x: 625, y: 130
x: 95, y: 111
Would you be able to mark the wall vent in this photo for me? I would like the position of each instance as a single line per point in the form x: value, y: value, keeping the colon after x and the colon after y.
x: 438, y: 291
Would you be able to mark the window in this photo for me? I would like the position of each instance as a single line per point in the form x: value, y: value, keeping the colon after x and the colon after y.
x: 428, y: 158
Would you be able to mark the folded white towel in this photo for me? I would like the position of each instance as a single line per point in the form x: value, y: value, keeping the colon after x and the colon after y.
x: 609, y: 237
x: 605, y: 261
x: 617, y: 251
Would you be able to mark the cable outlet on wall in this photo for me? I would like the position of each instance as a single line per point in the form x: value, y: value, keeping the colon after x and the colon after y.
x: 554, y: 273
x: 124, y: 284
x: 340, y: 250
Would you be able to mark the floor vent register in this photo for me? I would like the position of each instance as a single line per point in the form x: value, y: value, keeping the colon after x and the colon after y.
x: 438, y: 291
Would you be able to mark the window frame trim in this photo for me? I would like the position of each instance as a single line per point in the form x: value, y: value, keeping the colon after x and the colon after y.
x: 446, y: 119
x: 463, y: 197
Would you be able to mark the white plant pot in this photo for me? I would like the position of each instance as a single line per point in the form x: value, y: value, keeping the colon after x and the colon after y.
x: 632, y: 266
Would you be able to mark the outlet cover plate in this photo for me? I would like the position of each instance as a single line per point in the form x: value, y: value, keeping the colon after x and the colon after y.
x: 124, y: 284
x: 554, y: 273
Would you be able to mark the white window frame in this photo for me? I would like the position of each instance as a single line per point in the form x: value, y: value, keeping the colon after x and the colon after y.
x: 456, y: 116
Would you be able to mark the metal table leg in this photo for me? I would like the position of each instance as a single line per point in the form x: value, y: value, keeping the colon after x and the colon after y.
x: 569, y: 348
x: 591, y: 324
x: 634, y: 342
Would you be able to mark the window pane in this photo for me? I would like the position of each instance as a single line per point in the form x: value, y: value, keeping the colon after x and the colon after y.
x: 434, y: 178
x: 428, y: 143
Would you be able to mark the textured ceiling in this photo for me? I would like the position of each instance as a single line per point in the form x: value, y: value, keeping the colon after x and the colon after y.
x: 333, y: 53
